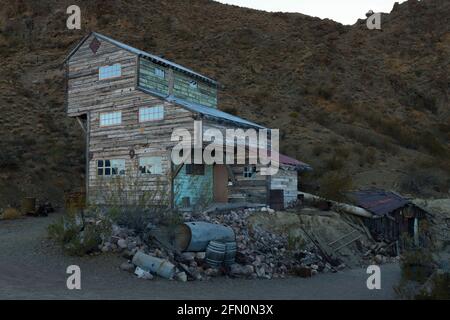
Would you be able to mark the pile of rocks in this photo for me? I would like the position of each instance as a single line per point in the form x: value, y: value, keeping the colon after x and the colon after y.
x: 260, y: 253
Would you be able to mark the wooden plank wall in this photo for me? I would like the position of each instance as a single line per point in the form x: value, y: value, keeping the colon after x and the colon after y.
x: 86, y: 94
x: 286, y: 180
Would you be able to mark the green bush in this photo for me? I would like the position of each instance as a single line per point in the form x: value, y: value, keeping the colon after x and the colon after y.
x: 77, y: 237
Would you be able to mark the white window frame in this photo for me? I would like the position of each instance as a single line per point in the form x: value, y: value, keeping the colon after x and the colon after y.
x: 109, y: 72
x: 249, y: 171
x: 108, y: 119
x: 150, y: 165
x: 111, y: 167
x: 160, y: 73
x: 153, y: 113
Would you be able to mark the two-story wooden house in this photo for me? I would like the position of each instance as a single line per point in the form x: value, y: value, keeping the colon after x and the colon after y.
x: 129, y: 102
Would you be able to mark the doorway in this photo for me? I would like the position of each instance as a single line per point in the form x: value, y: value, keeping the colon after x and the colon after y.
x: 220, y: 183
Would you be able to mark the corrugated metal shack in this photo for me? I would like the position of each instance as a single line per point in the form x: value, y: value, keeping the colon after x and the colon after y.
x: 394, y: 216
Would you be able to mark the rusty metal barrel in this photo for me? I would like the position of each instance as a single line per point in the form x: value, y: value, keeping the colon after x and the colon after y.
x: 215, y: 253
x: 28, y: 205
x: 195, y: 236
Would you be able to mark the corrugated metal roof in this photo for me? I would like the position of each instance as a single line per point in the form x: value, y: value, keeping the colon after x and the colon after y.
x: 213, y: 112
x: 377, y: 201
x: 284, y: 159
x: 143, y: 54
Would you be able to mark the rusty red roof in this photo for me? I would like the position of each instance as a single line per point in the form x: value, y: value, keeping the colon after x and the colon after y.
x: 378, y: 201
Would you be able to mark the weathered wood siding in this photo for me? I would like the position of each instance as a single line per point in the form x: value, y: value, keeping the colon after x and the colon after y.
x: 150, y: 81
x: 204, y: 93
x: 286, y: 180
x: 88, y: 95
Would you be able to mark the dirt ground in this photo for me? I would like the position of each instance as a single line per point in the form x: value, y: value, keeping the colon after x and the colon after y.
x: 31, y: 267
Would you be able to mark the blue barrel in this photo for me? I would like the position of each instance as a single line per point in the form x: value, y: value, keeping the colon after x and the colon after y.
x: 230, y: 253
x: 215, y: 253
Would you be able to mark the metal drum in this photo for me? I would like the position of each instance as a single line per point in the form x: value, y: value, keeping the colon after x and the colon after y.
x: 230, y: 253
x: 215, y: 253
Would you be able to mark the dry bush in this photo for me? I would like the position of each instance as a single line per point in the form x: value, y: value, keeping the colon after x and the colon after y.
x: 130, y: 203
x: 334, y: 186
x: 10, y: 214
x: 76, y: 237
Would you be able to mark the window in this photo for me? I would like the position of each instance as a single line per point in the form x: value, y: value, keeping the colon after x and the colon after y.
x: 111, y: 167
x: 151, y: 113
x: 160, y: 73
x: 249, y: 171
x: 193, y: 84
x: 195, y: 169
x: 107, y: 72
x: 150, y: 165
x: 110, y: 118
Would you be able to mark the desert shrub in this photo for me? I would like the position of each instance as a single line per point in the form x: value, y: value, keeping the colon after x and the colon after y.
x: 76, y: 236
x: 317, y: 150
x: 130, y: 203
x: 421, y: 180
x: 416, y: 264
x: 325, y: 92
x: 10, y: 214
x: 334, y: 163
x: 334, y: 186
x: 439, y: 288
x: 294, y: 115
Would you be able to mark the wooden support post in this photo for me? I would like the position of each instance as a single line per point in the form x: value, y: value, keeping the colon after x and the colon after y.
x: 88, y: 132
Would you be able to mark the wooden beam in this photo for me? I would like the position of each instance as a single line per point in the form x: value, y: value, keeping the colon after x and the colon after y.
x: 83, y: 126
x: 230, y: 173
x: 176, y: 170
x: 88, y: 132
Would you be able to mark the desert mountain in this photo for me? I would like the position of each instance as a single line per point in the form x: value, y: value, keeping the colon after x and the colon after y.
x: 363, y: 107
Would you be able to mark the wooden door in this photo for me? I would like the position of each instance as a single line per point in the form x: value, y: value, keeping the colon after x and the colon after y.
x: 276, y: 200
x: 220, y: 183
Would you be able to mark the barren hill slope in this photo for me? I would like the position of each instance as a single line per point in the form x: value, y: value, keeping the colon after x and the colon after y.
x: 364, y: 107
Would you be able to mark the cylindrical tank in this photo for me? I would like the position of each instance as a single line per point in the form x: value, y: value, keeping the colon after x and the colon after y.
x: 195, y: 236
x: 230, y: 253
x: 162, y: 268
x: 215, y: 253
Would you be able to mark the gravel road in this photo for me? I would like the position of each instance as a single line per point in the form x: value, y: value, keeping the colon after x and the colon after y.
x: 31, y: 267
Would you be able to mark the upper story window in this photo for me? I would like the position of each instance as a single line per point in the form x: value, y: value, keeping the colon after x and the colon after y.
x: 110, y: 118
x: 151, y: 113
x: 107, y: 72
x: 150, y: 165
x: 249, y: 171
x: 111, y: 167
x: 160, y: 72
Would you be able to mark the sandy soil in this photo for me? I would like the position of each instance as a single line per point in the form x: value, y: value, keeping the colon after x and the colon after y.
x: 31, y: 267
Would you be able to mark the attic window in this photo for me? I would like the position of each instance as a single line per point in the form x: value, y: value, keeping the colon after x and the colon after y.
x: 95, y: 45
x: 107, y: 72
x: 160, y: 73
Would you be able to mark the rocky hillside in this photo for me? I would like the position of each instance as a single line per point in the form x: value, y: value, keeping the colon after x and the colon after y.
x: 364, y: 107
